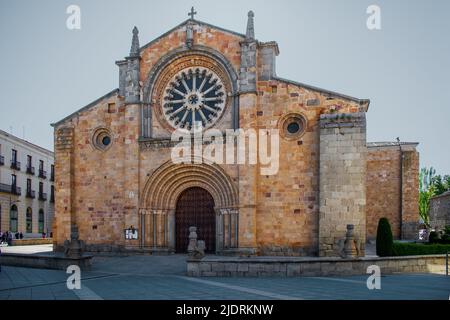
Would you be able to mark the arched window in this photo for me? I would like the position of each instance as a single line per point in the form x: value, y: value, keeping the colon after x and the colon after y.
x: 29, y: 220
x: 13, y: 221
x: 41, y: 220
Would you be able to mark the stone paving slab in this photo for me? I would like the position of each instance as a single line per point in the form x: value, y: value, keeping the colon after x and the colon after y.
x: 161, y: 278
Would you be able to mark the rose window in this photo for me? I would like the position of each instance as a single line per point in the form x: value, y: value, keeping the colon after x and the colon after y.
x: 194, y: 97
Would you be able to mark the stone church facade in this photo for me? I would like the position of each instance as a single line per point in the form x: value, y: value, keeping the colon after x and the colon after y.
x: 114, y: 169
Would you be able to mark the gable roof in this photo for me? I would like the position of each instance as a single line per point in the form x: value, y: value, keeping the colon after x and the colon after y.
x: 196, y: 22
x: 93, y: 103
x: 325, y: 91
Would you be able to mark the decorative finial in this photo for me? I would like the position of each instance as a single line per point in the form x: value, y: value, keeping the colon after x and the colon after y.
x: 250, y: 34
x: 192, y: 13
x: 134, y: 51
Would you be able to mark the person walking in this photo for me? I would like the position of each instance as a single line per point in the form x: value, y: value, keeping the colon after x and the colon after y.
x: 10, y: 238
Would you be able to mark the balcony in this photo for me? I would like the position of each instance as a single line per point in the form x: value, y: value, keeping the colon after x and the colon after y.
x: 31, y: 194
x: 42, y: 196
x: 2, y: 160
x: 10, y: 189
x: 16, y: 190
x: 42, y: 174
x: 15, y: 165
x: 30, y: 170
x: 5, y: 188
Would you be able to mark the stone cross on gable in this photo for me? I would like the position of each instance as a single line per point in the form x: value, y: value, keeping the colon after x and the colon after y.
x: 192, y: 13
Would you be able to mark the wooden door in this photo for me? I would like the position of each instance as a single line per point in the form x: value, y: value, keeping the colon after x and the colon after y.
x: 195, y: 207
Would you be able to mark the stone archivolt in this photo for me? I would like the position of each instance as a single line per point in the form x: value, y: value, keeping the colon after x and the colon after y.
x: 165, y: 185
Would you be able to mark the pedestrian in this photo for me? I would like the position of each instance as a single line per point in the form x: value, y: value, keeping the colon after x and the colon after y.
x: 10, y: 237
x: 21, y: 235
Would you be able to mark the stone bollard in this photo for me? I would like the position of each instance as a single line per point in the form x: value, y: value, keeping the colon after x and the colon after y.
x: 350, y: 249
x: 192, y: 239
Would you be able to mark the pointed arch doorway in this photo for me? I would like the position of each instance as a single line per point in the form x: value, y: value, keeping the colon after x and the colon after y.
x: 195, y: 207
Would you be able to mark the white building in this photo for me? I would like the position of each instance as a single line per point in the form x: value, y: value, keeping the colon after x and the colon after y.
x: 27, y: 191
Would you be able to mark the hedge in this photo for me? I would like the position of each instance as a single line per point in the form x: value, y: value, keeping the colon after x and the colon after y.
x: 384, y: 244
x: 413, y: 249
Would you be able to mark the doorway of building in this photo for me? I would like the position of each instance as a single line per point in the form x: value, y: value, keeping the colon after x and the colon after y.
x: 195, y: 207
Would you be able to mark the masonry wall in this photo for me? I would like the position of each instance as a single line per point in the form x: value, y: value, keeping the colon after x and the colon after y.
x: 94, y: 185
x: 342, y: 181
x: 392, y: 192
x: 440, y: 211
x: 383, y: 174
x: 288, y: 202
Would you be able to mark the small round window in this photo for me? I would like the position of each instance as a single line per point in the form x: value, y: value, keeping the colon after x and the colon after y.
x: 106, y: 141
x: 102, y: 139
x: 293, y: 126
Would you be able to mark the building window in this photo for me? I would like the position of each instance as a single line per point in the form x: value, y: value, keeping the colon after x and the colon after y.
x: 30, y: 168
x: 52, y: 194
x: 52, y: 172
x: 101, y: 139
x: 42, y: 173
x: 41, y: 221
x: 292, y: 126
x: 15, y: 165
x: 14, y: 188
x: 13, y: 221
x: 29, y: 220
x: 111, y: 107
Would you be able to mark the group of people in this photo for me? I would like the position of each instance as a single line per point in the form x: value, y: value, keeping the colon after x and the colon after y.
x: 7, y: 237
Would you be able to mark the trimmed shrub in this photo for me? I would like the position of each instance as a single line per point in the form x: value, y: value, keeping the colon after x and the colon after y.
x: 434, y: 237
x: 384, y: 238
x: 417, y: 249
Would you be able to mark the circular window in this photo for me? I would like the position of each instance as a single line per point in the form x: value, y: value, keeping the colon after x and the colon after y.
x: 106, y: 141
x: 292, y: 126
x: 101, y: 139
x: 194, y: 96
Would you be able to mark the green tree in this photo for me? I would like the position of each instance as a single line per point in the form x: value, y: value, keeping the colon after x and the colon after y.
x: 426, y: 191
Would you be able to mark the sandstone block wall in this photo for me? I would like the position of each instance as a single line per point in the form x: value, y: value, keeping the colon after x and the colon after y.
x: 392, y: 188
x: 342, y: 180
x: 295, y: 267
x: 440, y: 211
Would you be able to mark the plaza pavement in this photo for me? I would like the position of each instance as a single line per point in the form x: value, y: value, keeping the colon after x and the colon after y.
x: 162, y: 277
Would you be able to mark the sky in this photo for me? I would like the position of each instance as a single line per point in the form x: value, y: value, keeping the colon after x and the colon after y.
x: 48, y: 71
